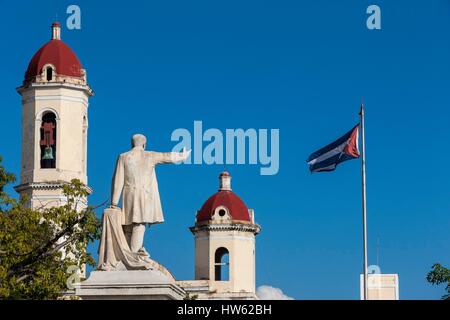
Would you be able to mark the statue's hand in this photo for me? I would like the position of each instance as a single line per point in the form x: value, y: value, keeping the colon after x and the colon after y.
x: 180, y: 156
x: 185, y: 154
x: 113, y: 206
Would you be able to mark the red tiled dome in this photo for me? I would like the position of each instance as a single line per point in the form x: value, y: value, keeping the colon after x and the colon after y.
x: 237, y: 208
x: 58, y: 54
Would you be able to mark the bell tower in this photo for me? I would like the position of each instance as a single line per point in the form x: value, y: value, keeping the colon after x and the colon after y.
x: 55, y: 98
x: 224, y: 233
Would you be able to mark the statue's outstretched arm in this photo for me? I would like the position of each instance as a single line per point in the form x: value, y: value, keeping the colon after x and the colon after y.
x: 171, y: 157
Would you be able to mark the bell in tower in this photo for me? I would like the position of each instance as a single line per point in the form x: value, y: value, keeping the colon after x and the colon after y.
x: 48, y: 139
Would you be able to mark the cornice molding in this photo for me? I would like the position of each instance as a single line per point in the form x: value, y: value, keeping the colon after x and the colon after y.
x: 253, y: 228
x: 51, y: 185
x: 82, y: 87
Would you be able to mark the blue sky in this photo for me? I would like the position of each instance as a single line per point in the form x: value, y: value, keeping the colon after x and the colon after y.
x: 298, y: 66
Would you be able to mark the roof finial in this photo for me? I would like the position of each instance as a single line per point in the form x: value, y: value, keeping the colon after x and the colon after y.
x: 225, y: 181
x: 56, y: 31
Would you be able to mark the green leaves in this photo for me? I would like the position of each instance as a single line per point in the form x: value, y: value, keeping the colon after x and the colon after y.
x: 439, y: 275
x: 38, y: 246
x: 5, y: 178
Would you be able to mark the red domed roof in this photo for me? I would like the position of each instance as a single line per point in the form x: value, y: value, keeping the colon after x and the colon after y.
x: 58, y: 54
x: 237, y: 208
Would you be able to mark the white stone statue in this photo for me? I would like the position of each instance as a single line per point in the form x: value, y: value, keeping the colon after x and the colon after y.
x: 123, y: 229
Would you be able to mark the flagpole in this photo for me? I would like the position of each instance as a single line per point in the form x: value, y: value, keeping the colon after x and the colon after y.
x: 364, y: 211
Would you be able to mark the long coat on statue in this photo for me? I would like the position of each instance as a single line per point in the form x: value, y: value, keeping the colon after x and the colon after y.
x: 135, y: 178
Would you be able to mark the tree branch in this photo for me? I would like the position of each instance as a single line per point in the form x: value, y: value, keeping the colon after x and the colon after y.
x: 18, y: 267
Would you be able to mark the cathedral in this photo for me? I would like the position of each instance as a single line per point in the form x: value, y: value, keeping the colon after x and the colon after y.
x: 55, y: 99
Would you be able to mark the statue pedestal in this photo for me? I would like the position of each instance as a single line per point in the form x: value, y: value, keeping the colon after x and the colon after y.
x: 156, y: 284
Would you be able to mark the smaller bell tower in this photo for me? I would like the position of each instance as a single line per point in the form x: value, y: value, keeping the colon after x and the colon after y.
x: 224, y: 233
x: 55, y: 98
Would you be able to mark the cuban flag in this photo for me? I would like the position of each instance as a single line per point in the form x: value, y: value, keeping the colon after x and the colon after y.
x: 343, y: 149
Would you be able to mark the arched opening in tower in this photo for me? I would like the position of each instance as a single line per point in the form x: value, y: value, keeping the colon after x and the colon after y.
x: 49, y: 74
x: 222, y: 264
x: 48, y: 141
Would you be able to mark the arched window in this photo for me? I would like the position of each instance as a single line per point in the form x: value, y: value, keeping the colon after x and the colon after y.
x: 49, y: 73
x: 48, y: 141
x: 222, y: 264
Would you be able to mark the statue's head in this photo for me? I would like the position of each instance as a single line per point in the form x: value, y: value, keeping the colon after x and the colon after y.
x: 138, y: 140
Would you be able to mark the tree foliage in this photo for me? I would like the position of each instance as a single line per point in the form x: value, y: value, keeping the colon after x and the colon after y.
x: 440, y: 275
x: 37, y: 247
